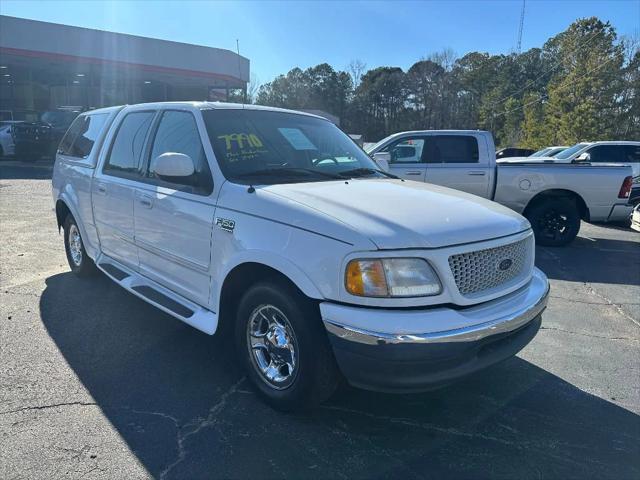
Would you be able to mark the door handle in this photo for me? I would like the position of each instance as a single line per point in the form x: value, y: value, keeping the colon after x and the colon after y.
x: 413, y: 173
x: 476, y: 173
x: 102, y: 188
x: 146, y: 201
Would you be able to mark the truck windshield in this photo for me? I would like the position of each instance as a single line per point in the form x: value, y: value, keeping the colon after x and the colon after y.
x: 565, y: 154
x: 267, y: 147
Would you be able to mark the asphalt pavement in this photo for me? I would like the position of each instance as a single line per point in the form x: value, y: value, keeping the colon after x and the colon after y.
x: 94, y: 383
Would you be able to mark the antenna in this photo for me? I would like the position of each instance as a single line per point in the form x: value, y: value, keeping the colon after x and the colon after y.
x: 244, y: 96
x: 519, y: 47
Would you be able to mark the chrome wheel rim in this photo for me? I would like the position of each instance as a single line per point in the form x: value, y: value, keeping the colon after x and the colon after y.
x: 75, y: 245
x: 272, y: 346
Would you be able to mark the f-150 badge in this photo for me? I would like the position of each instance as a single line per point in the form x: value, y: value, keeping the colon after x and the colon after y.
x: 225, y: 224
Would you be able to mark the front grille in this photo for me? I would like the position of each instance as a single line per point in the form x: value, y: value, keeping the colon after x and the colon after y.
x: 482, y: 270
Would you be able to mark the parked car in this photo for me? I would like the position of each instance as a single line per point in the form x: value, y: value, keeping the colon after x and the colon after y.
x: 514, y: 152
x: 612, y: 152
x: 7, y: 145
x: 34, y: 140
x: 274, y: 228
x: 547, y: 152
x: 553, y: 197
x: 635, y: 218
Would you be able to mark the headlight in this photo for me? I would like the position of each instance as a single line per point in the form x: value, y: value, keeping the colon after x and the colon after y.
x: 391, y: 277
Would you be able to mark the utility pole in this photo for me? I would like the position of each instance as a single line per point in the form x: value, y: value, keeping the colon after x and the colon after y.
x: 519, y: 47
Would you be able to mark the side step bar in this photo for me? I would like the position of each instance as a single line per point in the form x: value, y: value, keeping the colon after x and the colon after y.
x: 159, y: 296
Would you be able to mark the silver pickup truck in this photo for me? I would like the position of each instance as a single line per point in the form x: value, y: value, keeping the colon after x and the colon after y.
x: 553, y: 197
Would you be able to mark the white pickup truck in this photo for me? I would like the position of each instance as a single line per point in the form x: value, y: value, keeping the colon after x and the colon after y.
x: 554, y: 197
x: 275, y: 228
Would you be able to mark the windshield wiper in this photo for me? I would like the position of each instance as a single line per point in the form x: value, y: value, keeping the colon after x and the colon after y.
x: 362, y: 171
x: 284, y: 171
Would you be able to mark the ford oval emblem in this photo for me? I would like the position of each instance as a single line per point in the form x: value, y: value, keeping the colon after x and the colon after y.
x: 505, y: 264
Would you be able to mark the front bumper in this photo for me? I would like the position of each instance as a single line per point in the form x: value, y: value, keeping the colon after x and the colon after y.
x: 414, y: 350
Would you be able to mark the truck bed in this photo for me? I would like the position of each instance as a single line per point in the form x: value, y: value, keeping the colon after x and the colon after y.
x: 518, y: 182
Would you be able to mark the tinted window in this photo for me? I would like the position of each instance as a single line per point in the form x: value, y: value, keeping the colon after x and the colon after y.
x: 79, y: 140
x: 126, y: 149
x: 631, y: 153
x: 178, y: 133
x: 606, y: 154
x: 72, y: 133
x: 407, y: 150
x: 452, y: 149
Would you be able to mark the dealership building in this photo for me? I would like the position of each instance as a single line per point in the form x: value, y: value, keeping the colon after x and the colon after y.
x: 47, y: 66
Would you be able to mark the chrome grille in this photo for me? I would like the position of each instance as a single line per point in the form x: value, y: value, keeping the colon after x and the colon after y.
x: 482, y: 270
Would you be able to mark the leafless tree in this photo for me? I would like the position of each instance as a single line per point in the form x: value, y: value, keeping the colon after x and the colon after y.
x: 356, y: 69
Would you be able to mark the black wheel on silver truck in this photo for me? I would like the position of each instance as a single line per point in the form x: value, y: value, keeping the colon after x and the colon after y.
x: 77, y: 257
x: 284, y: 347
x: 555, y: 221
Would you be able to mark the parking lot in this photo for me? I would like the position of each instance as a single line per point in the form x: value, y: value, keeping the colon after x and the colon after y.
x: 96, y: 383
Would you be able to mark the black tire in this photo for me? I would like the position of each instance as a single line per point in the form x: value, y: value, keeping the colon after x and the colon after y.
x: 315, y: 374
x: 555, y: 222
x: 85, y: 266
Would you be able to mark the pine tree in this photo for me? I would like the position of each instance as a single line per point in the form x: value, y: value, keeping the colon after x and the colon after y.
x: 582, y: 93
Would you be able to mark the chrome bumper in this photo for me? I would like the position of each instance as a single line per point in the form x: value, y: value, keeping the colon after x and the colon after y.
x: 522, y: 306
x: 411, y: 351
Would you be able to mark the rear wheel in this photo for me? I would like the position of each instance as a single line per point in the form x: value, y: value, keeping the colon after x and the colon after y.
x: 555, y: 222
x: 284, y: 347
x: 77, y: 257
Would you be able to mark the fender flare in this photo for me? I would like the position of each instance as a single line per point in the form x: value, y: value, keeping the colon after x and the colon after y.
x: 275, y: 261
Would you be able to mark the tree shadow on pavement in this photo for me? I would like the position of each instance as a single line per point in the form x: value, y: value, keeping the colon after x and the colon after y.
x: 177, y: 398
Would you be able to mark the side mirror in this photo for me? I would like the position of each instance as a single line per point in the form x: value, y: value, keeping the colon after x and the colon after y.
x: 583, y: 157
x: 172, y: 164
x: 382, y: 159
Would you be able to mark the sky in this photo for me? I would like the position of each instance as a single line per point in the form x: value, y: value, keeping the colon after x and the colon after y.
x: 277, y: 36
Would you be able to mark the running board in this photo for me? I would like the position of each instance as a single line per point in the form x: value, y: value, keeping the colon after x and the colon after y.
x: 158, y: 296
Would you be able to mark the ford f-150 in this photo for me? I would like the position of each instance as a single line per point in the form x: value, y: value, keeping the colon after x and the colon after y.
x: 273, y: 227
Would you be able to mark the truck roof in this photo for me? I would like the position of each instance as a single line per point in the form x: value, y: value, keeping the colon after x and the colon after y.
x: 418, y: 132
x: 611, y: 142
x: 206, y: 106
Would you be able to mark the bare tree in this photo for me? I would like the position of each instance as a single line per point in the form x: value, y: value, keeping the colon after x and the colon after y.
x: 252, y: 88
x: 356, y: 69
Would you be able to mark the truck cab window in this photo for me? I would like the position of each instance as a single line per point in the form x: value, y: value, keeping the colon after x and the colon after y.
x: 126, y: 149
x: 452, y: 149
x: 178, y: 133
x: 407, y: 150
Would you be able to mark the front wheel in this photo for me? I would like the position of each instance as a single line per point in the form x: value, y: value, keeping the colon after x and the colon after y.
x: 284, y: 347
x: 555, y: 222
x: 77, y: 257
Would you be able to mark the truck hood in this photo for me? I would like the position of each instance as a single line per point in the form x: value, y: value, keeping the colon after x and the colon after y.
x: 394, y: 214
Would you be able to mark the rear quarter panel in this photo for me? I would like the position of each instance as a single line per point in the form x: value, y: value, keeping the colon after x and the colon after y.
x: 71, y: 183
